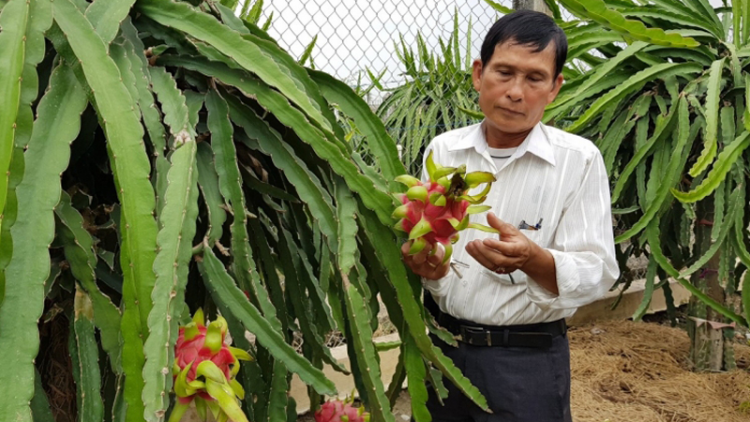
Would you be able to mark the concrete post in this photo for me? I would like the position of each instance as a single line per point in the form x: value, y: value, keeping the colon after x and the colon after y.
x: 538, y: 5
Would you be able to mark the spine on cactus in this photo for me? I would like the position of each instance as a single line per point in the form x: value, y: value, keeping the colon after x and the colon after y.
x: 204, y: 371
x: 434, y: 212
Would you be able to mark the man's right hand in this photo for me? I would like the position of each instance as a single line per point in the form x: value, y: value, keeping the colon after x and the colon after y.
x: 422, y: 264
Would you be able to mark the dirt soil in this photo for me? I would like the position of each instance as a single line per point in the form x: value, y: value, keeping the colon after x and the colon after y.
x: 639, y: 372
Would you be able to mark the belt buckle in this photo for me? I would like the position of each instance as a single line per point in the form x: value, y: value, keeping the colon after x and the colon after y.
x: 465, y: 330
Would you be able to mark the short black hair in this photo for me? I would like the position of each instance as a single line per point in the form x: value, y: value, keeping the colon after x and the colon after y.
x: 526, y: 27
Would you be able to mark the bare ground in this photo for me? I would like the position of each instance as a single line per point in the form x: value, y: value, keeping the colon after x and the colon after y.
x: 639, y: 372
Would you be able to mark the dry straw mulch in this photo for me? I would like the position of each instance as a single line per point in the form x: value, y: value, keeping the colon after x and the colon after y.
x: 639, y: 372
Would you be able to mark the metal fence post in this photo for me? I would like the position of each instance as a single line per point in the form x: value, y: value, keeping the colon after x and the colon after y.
x: 538, y: 5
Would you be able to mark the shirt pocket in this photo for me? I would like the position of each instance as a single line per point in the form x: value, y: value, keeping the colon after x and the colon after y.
x: 516, y: 278
x: 537, y: 236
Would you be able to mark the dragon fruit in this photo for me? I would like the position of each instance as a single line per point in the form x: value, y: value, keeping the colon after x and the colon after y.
x: 436, y: 211
x: 204, y: 371
x: 341, y: 411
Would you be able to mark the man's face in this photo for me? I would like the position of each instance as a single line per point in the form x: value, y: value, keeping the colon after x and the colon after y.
x: 516, y: 85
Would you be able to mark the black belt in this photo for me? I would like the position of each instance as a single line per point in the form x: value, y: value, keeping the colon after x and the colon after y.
x: 537, y: 336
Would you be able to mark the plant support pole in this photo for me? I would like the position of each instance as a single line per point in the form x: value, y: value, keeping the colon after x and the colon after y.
x: 538, y: 5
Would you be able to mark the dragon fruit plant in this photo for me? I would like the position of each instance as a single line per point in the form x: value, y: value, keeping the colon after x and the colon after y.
x: 204, y: 371
x: 341, y: 411
x: 435, y: 212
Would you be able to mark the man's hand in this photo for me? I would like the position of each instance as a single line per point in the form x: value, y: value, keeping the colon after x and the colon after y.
x: 514, y: 251
x: 422, y: 264
x: 504, y: 255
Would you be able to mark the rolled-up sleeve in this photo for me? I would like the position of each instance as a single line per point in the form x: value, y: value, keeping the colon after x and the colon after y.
x: 583, y: 246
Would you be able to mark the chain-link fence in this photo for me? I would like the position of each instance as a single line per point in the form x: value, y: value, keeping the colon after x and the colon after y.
x: 353, y: 36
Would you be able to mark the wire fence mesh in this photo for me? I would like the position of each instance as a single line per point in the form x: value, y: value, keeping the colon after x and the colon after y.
x: 353, y: 36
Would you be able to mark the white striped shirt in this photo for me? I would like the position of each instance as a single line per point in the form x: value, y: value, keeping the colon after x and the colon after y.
x: 555, y: 178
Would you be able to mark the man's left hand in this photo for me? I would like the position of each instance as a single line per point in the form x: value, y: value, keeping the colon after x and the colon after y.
x: 504, y: 255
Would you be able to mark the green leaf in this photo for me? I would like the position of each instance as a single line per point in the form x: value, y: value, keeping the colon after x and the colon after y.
x: 672, y: 174
x: 664, y: 126
x: 223, y: 289
x: 139, y: 66
x: 225, y: 154
x: 712, y: 119
x: 589, y: 41
x: 499, y: 7
x: 294, y: 272
x: 231, y: 188
x: 131, y: 168
x: 171, y: 267
x: 268, y: 260
x: 416, y: 371
x: 40, y: 408
x: 704, y: 9
x: 308, y: 51
x: 278, y: 393
x: 654, y: 243
x: 671, y: 16
x: 648, y: 290
x: 399, y: 375
x: 106, y: 16
x: 9, y: 215
x: 22, y: 47
x: 78, y: 247
x: 308, y: 186
x: 600, y: 73
x: 174, y: 105
x: 176, y: 116
x: 631, y: 84
x: 252, y: 15
x: 554, y: 8
x: 347, y: 209
x: 381, y: 145
x: 88, y: 384
x: 57, y: 124
x: 598, y: 11
x: 365, y: 354
x: 247, y: 54
x: 208, y: 181
x: 724, y: 229
x: 679, y: 7
x: 727, y: 158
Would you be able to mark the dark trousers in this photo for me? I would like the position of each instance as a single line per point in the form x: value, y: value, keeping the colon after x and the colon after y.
x: 520, y: 384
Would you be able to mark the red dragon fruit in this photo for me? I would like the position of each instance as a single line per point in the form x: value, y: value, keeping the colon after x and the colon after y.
x: 434, y: 212
x: 341, y: 411
x: 204, y: 371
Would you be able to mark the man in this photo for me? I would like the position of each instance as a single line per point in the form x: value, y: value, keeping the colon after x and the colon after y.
x: 506, y: 297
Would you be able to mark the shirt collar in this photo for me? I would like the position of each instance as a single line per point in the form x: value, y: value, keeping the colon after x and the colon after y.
x: 537, y: 143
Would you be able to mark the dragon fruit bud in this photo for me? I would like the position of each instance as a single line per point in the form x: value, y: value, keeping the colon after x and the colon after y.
x: 204, y: 371
x: 341, y: 411
x: 435, y: 211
